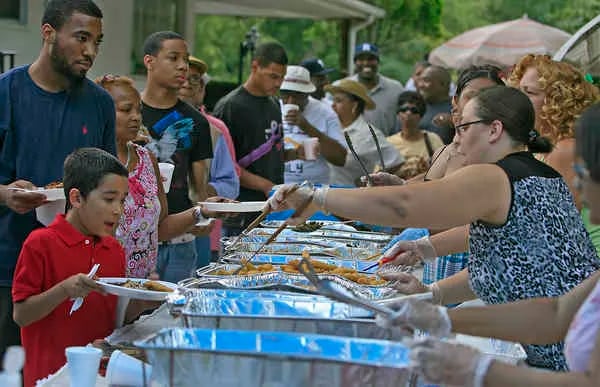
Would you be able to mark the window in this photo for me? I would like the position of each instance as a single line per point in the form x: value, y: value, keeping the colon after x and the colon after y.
x: 14, y: 9
x: 150, y: 16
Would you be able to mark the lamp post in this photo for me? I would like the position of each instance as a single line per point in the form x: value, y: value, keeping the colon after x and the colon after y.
x: 246, y: 46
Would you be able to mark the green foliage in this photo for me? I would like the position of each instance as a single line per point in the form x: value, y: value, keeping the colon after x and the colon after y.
x: 410, y: 30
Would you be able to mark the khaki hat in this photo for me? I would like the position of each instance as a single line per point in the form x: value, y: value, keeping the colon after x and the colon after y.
x: 352, y: 87
x: 199, y: 63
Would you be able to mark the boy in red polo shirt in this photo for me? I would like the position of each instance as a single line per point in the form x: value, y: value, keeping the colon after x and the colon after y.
x: 54, y: 262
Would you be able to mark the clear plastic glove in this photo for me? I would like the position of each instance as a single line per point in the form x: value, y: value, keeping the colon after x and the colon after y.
x: 384, y: 178
x: 417, y: 314
x: 449, y: 364
x: 403, y: 282
x: 293, y: 196
x: 409, y: 253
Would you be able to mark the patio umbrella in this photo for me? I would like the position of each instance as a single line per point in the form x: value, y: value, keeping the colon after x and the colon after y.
x: 499, y: 44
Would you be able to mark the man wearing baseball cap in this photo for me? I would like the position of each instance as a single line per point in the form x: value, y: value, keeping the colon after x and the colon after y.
x: 383, y: 90
x: 319, y: 76
x: 312, y: 119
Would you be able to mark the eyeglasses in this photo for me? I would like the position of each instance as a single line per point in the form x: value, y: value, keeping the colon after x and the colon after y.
x: 463, y: 127
x: 194, y: 79
x: 412, y: 109
x: 581, y: 171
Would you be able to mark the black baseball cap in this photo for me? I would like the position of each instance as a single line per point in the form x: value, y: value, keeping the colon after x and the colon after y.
x: 316, y: 66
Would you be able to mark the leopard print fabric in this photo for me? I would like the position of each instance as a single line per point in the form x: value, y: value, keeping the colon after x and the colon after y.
x: 543, y: 249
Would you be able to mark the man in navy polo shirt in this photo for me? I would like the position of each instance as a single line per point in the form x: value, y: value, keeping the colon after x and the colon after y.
x: 47, y: 110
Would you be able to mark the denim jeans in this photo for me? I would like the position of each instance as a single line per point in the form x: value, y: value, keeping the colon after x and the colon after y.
x: 203, y: 252
x: 175, y: 262
x: 10, y: 333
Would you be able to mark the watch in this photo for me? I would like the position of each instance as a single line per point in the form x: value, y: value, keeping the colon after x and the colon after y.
x: 200, y: 219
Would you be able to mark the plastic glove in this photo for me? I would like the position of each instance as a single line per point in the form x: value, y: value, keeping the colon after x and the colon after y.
x: 285, y: 198
x: 403, y: 282
x: 409, y: 253
x: 417, y: 314
x: 449, y: 364
x: 383, y: 178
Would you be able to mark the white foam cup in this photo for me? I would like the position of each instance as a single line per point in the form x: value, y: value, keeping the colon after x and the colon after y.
x: 166, y: 173
x: 125, y: 370
x: 83, y: 363
x: 46, y: 213
x: 287, y: 108
x: 311, y: 148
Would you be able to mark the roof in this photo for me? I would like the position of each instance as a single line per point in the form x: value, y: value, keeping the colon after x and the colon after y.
x: 304, y: 9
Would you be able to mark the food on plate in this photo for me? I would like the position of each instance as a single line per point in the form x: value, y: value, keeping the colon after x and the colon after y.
x: 146, y: 285
x: 325, y: 268
x: 308, y: 227
x: 248, y: 269
x: 54, y: 184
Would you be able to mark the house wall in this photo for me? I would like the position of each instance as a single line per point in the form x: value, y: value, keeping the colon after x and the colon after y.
x: 115, y: 51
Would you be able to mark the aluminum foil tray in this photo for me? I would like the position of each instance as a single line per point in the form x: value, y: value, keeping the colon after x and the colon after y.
x: 282, y: 306
x: 327, y: 234
x: 224, y: 358
x: 335, y: 249
x: 211, y: 270
x: 277, y: 259
x: 307, y: 239
x: 290, y: 282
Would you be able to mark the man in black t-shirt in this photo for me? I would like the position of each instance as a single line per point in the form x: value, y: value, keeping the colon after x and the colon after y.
x: 181, y: 136
x: 253, y: 116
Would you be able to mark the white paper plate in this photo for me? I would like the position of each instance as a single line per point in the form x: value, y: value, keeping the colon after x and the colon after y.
x: 109, y: 284
x: 234, y: 207
x: 51, y: 194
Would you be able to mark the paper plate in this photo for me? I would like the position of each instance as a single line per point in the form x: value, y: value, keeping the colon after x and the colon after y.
x: 110, y: 285
x: 234, y: 207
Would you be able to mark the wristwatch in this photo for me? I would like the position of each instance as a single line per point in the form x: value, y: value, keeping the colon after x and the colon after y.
x: 200, y: 219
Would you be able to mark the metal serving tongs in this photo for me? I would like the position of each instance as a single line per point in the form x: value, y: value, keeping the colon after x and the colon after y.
x: 377, y: 146
x: 327, y: 288
x: 360, y: 162
x: 256, y: 222
x: 282, y: 227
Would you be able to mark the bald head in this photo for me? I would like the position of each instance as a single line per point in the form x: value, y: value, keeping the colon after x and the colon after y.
x: 434, y: 84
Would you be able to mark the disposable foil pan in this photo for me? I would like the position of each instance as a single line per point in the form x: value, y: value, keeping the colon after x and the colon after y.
x: 303, y: 238
x: 226, y: 358
x: 282, y: 259
x: 291, y: 282
x: 328, y: 234
x: 338, y: 250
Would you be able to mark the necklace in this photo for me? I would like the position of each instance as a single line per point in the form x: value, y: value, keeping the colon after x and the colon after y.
x: 128, y: 156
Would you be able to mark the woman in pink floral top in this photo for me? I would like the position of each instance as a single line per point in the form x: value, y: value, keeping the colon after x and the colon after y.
x: 145, y: 220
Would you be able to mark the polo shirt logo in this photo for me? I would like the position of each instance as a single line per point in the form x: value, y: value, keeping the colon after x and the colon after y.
x: 84, y: 130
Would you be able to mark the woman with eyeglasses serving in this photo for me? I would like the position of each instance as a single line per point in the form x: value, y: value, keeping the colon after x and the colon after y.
x: 573, y: 317
x: 524, y: 233
x: 366, y: 142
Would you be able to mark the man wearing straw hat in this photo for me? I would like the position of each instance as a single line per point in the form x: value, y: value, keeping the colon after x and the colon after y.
x: 312, y: 120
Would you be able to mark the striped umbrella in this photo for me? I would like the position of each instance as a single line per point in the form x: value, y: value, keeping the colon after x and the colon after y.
x: 499, y: 44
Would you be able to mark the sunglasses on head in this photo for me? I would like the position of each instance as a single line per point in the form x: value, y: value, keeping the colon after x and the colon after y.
x: 412, y: 109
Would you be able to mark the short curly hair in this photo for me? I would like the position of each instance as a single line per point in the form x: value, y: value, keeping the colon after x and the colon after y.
x: 567, y: 93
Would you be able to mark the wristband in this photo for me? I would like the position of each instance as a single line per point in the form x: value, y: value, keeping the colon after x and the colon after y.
x: 483, y: 364
x: 320, y: 198
x: 200, y: 219
x: 436, y: 294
